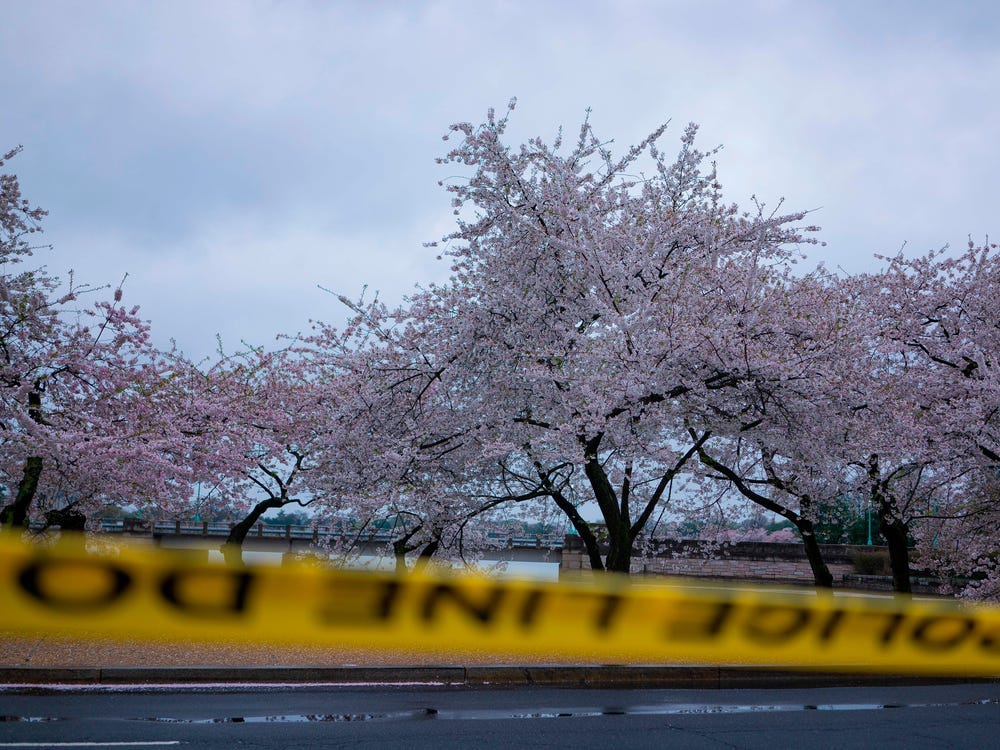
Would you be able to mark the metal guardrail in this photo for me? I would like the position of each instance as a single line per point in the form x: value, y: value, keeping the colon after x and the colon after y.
x: 299, y: 532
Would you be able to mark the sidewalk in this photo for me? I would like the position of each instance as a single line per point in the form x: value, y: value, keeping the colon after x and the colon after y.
x: 50, y: 661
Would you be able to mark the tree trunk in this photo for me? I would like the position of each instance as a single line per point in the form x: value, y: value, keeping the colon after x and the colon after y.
x: 399, y: 550
x: 15, y: 515
x: 586, y: 534
x: 821, y: 573
x: 426, y: 554
x: 619, y: 558
x: 591, y: 544
x: 232, y: 549
x: 66, y: 519
x: 619, y: 549
x: 893, y: 528
x: 896, y: 539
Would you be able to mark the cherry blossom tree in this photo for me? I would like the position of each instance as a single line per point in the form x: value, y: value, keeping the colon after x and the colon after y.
x: 270, y: 419
x: 872, y: 404
x: 601, y: 330
x: 568, y: 360
x: 961, y: 547
x: 776, y: 439
x: 848, y: 411
x: 943, y: 308
x: 939, y: 321
x: 388, y: 451
x: 83, y: 393
x: 27, y: 313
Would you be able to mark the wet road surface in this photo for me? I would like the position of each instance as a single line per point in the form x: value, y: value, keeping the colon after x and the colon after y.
x: 952, y: 716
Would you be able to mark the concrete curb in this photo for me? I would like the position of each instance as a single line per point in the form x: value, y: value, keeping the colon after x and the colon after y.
x: 575, y: 676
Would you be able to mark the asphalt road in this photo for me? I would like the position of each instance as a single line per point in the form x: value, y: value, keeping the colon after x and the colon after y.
x: 952, y: 716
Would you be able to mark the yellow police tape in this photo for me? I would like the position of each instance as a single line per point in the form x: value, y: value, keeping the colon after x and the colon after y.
x: 135, y: 592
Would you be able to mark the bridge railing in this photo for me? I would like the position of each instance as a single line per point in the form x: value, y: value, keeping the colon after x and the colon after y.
x: 216, y: 529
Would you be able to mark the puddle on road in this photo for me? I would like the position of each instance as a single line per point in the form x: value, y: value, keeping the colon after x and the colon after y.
x: 668, y: 709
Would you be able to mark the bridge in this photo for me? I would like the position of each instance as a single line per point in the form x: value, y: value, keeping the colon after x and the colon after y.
x: 745, y: 561
x: 272, y: 538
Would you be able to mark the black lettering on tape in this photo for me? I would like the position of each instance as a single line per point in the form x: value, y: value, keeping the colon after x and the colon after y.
x: 32, y: 578
x: 686, y: 628
x: 483, y: 611
x: 990, y: 641
x: 612, y: 603
x: 774, y: 623
x: 891, y: 627
x: 943, y: 632
x: 387, y: 600
x: 234, y: 602
x: 893, y: 624
x: 532, y: 600
x: 354, y: 602
x: 831, y: 625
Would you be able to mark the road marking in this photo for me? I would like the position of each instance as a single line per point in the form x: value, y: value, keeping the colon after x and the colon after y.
x: 140, y: 743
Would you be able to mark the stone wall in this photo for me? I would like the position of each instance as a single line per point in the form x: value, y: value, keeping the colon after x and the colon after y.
x: 787, y: 571
x: 758, y: 561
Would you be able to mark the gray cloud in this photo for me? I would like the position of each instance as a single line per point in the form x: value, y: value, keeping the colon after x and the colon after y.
x: 233, y: 155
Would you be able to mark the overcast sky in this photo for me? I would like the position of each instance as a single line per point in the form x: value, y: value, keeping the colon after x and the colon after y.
x: 231, y: 157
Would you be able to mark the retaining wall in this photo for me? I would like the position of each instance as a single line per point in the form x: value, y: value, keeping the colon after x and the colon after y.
x: 759, y: 561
